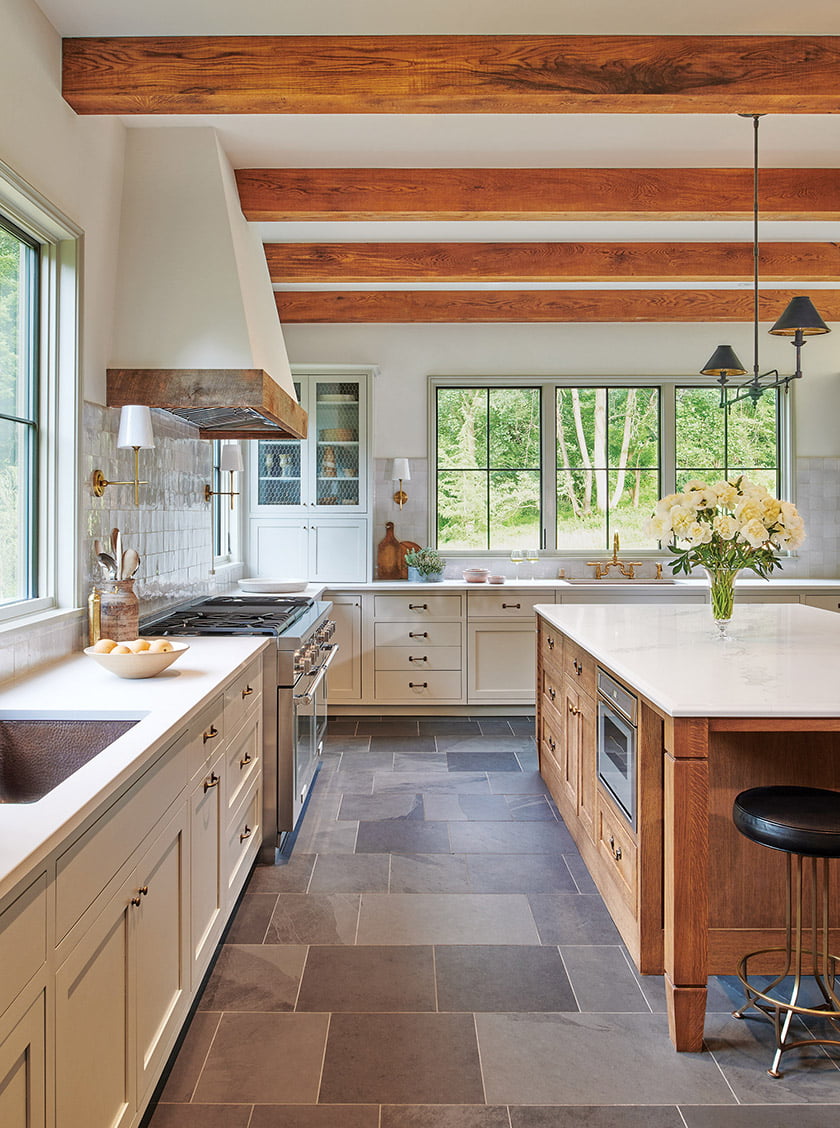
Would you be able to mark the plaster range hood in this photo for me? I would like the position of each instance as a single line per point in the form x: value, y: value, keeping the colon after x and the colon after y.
x: 196, y: 331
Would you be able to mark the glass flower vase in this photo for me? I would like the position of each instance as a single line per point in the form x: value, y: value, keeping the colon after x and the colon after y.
x: 722, y: 593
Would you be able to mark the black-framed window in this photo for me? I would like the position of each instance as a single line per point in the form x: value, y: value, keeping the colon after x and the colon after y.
x: 19, y: 333
x: 743, y: 440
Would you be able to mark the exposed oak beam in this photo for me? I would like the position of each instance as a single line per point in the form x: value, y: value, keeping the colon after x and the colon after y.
x: 348, y: 307
x: 555, y: 262
x: 295, y: 194
x: 498, y: 74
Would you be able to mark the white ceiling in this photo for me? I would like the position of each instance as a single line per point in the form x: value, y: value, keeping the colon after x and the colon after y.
x: 475, y: 140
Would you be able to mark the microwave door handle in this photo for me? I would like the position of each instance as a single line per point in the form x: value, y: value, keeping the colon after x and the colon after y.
x: 306, y: 698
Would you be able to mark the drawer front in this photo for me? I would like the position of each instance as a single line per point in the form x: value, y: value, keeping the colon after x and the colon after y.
x: 23, y: 940
x: 208, y: 733
x: 243, y: 763
x: 89, y: 864
x: 419, y: 606
x: 506, y: 605
x: 551, y: 643
x: 243, y: 838
x: 418, y: 658
x: 243, y: 697
x: 551, y: 686
x: 416, y: 634
x: 827, y: 602
x: 618, y: 851
x: 424, y: 686
x: 579, y: 667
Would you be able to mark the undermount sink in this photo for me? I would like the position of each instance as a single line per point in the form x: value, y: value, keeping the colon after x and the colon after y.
x: 38, y: 751
x: 618, y: 580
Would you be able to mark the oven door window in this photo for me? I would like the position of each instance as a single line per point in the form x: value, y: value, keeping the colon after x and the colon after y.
x: 617, y: 759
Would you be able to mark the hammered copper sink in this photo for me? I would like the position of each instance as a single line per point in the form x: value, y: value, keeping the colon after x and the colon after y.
x: 40, y: 751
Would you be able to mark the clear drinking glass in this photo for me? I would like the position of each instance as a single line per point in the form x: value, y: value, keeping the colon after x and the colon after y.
x: 517, y: 555
x: 532, y: 555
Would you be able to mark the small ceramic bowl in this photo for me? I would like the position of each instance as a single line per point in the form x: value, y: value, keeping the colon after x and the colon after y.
x: 145, y: 664
x: 475, y: 575
x: 495, y: 579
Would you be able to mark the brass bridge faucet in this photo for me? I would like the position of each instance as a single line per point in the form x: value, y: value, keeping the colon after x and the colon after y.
x: 626, y: 567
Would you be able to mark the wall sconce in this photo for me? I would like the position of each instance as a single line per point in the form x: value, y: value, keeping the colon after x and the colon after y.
x: 230, y: 459
x: 400, y: 473
x: 135, y: 433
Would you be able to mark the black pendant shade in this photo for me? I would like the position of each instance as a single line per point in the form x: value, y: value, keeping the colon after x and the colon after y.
x: 800, y: 315
x: 723, y: 362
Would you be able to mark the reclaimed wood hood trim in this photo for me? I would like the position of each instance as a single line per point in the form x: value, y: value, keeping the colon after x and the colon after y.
x: 224, y: 403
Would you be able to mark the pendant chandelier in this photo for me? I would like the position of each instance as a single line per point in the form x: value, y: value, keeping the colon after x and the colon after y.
x: 799, y: 320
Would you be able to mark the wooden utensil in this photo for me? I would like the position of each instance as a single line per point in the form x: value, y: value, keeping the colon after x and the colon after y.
x: 130, y: 563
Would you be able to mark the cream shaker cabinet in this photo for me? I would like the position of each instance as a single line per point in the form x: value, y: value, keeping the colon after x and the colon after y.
x: 23, y: 1091
x: 502, y: 645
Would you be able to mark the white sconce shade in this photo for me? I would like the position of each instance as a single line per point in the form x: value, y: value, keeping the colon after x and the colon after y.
x: 135, y: 428
x: 231, y: 457
x: 400, y: 471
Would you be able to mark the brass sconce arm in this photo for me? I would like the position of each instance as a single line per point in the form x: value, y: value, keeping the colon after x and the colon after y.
x: 99, y: 483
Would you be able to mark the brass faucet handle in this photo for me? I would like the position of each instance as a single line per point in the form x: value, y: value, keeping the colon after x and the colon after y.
x: 615, y: 547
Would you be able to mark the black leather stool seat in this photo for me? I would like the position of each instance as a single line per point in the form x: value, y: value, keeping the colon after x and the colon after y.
x: 798, y: 820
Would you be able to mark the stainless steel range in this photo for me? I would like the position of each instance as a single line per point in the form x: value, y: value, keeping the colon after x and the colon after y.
x: 294, y: 690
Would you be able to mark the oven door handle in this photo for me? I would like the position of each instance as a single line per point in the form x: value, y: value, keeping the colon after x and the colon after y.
x: 306, y: 698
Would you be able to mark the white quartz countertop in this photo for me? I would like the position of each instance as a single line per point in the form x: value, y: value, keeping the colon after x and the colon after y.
x: 672, y: 588
x: 77, y: 686
x: 782, y: 661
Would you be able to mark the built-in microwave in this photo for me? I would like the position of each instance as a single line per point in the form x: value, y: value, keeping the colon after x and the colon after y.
x: 617, y: 743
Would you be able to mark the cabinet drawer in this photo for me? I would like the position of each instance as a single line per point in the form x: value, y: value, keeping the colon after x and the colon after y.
x: 579, y: 667
x: 23, y: 940
x: 551, y: 686
x: 418, y: 658
x: 425, y: 685
x: 89, y: 864
x: 243, y: 697
x: 618, y: 851
x: 243, y: 763
x: 416, y: 634
x: 419, y: 606
x: 506, y: 605
x: 550, y: 646
x: 827, y: 602
x: 206, y: 735
x: 242, y: 840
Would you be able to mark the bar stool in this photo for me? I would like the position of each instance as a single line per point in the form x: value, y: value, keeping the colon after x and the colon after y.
x: 803, y: 822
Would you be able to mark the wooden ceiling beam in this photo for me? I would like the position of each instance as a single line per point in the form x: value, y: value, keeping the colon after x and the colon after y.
x: 354, y: 307
x: 303, y: 194
x: 487, y: 74
x: 549, y: 262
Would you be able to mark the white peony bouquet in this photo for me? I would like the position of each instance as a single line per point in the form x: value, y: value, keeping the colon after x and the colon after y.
x: 726, y: 526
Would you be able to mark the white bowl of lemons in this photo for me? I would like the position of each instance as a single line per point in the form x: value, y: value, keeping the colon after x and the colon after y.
x: 138, y: 658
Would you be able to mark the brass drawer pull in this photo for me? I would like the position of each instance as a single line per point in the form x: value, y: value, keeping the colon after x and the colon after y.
x: 245, y: 761
x: 552, y: 692
x: 213, y: 781
x: 418, y: 607
x: 418, y: 634
x: 141, y: 892
x: 552, y: 744
x: 209, y: 734
x: 616, y: 850
x: 425, y: 658
x: 573, y: 709
x: 550, y: 642
x: 246, y: 833
x: 247, y: 691
x: 511, y: 606
x: 578, y: 667
x: 418, y: 685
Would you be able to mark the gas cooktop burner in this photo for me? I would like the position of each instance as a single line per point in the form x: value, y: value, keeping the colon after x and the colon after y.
x: 234, y: 615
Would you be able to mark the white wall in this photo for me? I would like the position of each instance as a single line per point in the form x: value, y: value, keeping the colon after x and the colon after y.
x: 407, y: 354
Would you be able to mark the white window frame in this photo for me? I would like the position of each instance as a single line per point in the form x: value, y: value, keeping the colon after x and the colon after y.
x: 667, y: 386
x: 57, y: 567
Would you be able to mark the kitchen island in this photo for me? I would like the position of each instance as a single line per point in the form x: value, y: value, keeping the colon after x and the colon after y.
x: 688, y: 893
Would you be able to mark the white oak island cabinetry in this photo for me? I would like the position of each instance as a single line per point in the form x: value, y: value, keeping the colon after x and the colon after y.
x: 688, y: 893
x: 116, y: 886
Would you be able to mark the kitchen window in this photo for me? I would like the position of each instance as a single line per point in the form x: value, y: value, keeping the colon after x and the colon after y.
x: 564, y: 466
x: 39, y: 251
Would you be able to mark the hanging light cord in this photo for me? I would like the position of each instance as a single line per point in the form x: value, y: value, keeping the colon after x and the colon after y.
x: 755, y: 118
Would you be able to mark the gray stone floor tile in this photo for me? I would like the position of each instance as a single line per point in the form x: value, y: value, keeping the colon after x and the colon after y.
x: 499, y: 977
x: 482, y: 762
x: 250, y: 923
x: 517, y: 783
x: 186, y: 1069
x: 603, y: 980
x: 449, y: 726
x: 403, y: 836
x: 479, y: 744
x: 402, y: 1059
x: 511, y: 838
x: 405, y: 745
x: 330, y: 838
x: 765, y: 1116
x: 254, y: 977
x: 433, y: 783
x: 519, y: 873
x: 371, y: 760
x: 342, y: 782
x: 444, y: 1116
x: 288, y: 876
x: 314, y: 918
x: 529, y: 761
x: 315, y: 1116
x: 572, y: 918
x: 264, y: 1059
x: 442, y: 918
x: 598, y: 1116
x: 336, y: 745
x: 429, y: 873
x: 397, y: 727
x: 520, y: 1055
x: 420, y: 761
x: 580, y: 873
x: 494, y: 726
x: 377, y: 807
x: 466, y: 807
x: 201, y: 1116
x: 530, y: 808
x: 350, y: 873
x: 523, y: 726
x: 368, y: 978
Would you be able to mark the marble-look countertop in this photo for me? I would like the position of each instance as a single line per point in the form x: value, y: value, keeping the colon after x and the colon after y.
x: 782, y: 661
x: 77, y: 686
x: 673, y: 588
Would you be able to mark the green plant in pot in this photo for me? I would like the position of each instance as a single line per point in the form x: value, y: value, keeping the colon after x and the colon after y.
x: 425, y: 565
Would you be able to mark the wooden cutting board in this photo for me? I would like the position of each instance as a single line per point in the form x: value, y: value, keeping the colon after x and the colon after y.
x: 388, y: 561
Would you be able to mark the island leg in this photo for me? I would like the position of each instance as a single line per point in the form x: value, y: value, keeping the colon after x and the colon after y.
x: 686, y: 823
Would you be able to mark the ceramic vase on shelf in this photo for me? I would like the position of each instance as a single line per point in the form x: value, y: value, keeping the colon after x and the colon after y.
x: 119, y: 610
x: 722, y: 593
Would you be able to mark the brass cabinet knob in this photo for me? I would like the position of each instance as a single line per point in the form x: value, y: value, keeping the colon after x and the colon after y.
x: 245, y: 761
x: 246, y: 833
x: 141, y: 892
x: 247, y: 691
x: 212, y: 781
x: 573, y: 709
x: 209, y: 734
x: 616, y: 850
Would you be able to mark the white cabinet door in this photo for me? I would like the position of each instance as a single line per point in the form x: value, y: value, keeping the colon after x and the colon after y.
x: 502, y: 662
x: 206, y: 890
x: 338, y: 550
x: 310, y: 548
x: 344, y: 681
x: 23, y: 1096
x: 280, y: 548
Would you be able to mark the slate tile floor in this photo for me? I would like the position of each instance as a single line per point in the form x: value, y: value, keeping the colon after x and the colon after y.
x: 434, y: 954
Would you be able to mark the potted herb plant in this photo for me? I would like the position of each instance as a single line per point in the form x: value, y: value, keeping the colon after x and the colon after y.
x: 425, y: 565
